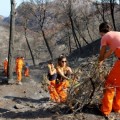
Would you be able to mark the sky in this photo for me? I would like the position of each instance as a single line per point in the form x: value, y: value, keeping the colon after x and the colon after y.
x: 5, y: 7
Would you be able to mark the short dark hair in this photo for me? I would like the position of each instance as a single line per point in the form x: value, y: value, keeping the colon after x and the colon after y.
x: 50, y: 62
x: 104, y: 27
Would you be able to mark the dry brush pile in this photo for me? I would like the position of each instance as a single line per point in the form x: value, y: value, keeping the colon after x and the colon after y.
x: 86, y: 88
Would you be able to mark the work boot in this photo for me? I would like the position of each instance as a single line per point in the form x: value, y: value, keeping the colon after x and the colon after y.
x: 117, y: 111
x: 104, y: 115
x: 19, y: 83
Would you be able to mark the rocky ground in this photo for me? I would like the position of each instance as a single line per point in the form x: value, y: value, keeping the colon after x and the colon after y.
x: 30, y: 101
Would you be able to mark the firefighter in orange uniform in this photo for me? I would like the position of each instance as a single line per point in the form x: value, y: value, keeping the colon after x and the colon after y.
x: 52, y: 76
x: 111, y: 98
x: 5, y: 63
x: 19, y: 67
x: 63, y: 73
x: 26, y: 70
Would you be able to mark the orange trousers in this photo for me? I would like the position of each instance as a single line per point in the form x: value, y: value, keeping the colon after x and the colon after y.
x: 52, y: 90
x: 19, y: 75
x: 58, y: 92
x: 111, y: 99
x: 26, y: 72
x: 61, y: 89
x: 5, y: 70
x: 5, y: 67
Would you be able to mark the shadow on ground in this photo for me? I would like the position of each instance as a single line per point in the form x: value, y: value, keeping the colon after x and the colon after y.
x: 25, y: 99
x: 30, y: 114
x: 41, y: 113
x: 92, y: 109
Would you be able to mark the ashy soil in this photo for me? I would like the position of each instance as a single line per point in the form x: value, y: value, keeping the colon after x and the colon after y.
x: 30, y: 101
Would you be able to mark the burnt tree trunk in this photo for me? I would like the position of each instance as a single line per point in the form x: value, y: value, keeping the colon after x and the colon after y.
x: 74, y: 34
x: 11, y: 41
x: 41, y: 22
x: 46, y: 42
x: 32, y: 56
x: 69, y: 43
x: 101, y: 11
x: 112, y: 6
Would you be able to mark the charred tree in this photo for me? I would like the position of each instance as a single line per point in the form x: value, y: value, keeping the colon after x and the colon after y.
x: 74, y: 34
x: 69, y: 43
x: 40, y: 15
x: 112, y: 7
x: 32, y: 56
x: 11, y: 41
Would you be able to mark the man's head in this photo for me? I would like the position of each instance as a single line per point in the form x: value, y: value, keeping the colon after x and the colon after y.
x: 104, y: 28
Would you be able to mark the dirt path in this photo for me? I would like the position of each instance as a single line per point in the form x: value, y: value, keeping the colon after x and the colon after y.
x: 26, y: 101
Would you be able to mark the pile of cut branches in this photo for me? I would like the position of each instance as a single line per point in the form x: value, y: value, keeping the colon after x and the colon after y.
x: 88, y: 88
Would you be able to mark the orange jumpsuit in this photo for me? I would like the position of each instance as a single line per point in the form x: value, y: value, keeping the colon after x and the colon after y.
x: 27, y: 72
x: 19, y: 67
x: 111, y: 99
x: 5, y: 66
x: 62, y: 85
x: 16, y: 62
x: 61, y: 89
x: 52, y: 89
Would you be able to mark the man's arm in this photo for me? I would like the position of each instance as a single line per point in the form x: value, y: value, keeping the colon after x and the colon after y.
x: 102, y: 53
x: 108, y: 53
